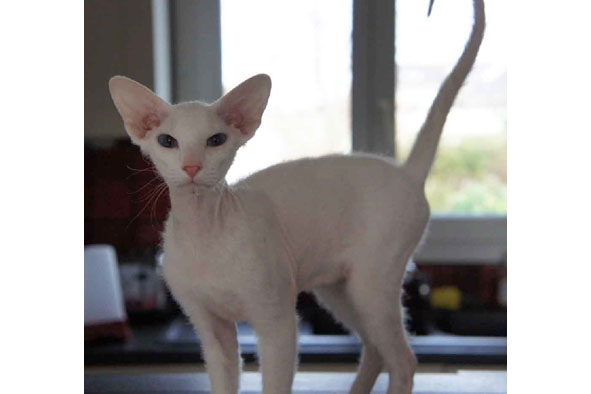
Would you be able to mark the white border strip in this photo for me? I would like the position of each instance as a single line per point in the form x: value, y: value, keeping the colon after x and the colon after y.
x: 162, y: 51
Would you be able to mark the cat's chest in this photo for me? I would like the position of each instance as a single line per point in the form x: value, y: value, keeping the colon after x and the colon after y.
x: 202, y: 253
x: 207, y: 265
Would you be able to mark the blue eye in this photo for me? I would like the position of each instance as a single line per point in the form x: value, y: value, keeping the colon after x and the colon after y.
x: 167, y: 141
x: 216, y: 139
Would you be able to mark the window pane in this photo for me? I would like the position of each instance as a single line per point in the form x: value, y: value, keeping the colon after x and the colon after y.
x: 305, y: 46
x: 470, y: 173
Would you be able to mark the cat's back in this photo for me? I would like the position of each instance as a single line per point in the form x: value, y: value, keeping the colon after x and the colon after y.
x: 360, y: 174
x: 349, y: 196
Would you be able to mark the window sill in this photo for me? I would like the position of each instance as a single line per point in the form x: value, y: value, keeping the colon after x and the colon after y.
x: 454, y: 239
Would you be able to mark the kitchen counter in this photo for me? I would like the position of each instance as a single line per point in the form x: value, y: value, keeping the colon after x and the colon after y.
x: 174, y: 341
x: 461, y: 382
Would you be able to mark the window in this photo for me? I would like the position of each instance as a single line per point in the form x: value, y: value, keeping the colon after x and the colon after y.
x: 308, y: 55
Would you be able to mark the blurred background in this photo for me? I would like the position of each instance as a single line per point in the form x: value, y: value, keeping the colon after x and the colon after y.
x: 347, y: 76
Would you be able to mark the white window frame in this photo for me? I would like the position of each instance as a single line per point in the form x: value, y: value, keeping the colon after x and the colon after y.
x: 188, y: 66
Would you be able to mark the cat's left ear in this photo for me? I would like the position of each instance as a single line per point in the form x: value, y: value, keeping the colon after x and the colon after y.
x: 244, y: 105
x: 140, y: 109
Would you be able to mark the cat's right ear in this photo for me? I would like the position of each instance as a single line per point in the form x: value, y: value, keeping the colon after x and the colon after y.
x: 140, y: 109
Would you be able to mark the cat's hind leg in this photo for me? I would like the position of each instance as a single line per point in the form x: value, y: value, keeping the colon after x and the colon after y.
x: 375, y: 294
x: 337, y: 300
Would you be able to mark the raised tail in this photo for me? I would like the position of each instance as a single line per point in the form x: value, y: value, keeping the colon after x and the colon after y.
x: 421, y: 156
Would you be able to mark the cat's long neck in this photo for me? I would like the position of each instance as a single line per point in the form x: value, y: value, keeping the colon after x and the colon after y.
x: 184, y: 202
x: 196, y: 204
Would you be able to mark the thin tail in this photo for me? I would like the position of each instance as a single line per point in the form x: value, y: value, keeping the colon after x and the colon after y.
x: 423, y: 151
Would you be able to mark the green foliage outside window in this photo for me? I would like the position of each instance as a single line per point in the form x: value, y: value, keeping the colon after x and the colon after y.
x: 469, y: 178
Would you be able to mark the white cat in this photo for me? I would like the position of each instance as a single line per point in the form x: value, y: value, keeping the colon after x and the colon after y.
x: 343, y: 227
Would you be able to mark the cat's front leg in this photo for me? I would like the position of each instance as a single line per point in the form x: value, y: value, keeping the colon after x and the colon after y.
x: 277, y: 335
x: 219, y: 344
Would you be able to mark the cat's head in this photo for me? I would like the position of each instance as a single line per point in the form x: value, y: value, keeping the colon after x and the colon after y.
x: 191, y: 143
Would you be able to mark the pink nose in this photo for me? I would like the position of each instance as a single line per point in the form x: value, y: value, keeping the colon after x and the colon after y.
x: 192, y: 170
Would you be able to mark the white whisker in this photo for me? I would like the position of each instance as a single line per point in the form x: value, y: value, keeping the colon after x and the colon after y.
x: 157, y: 177
x: 158, y: 189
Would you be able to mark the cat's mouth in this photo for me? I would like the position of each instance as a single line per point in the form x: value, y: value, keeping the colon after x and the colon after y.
x: 189, y: 183
x: 194, y: 184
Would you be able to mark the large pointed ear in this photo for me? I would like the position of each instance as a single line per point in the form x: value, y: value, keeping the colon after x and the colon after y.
x: 140, y: 109
x: 244, y: 105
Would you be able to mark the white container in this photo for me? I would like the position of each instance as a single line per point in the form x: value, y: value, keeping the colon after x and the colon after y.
x: 103, y: 298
